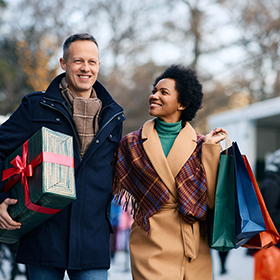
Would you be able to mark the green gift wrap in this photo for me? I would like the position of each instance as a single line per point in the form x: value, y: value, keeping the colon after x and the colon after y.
x: 40, y: 174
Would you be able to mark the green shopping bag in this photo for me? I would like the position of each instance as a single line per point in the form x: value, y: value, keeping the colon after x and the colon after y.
x: 223, y: 233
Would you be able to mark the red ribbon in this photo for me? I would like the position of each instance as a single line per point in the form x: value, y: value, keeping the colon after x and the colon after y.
x: 22, y: 171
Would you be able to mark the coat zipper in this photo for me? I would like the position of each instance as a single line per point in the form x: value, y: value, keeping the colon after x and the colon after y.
x: 75, y: 133
x: 103, y: 127
x: 73, y: 128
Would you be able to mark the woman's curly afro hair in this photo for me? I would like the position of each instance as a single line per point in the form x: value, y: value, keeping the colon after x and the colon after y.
x: 188, y: 87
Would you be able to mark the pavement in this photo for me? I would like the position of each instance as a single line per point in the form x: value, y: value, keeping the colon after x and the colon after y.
x: 239, y: 267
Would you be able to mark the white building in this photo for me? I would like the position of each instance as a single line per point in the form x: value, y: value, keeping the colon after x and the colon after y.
x: 3, y: 119
x: 256, y: 129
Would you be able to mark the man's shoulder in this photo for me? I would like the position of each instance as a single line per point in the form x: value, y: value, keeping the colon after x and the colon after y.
x: 52, y: 89
x: 33, y: 96
x: 36, y: 94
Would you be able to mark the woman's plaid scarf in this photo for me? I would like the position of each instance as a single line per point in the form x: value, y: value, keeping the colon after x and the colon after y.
x: 137, y: 181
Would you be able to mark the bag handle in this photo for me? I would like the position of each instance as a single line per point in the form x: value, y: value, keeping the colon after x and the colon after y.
x: 228, y: 143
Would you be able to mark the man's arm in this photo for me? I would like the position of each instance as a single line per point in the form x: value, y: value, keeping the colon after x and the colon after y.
x: 12, y: 134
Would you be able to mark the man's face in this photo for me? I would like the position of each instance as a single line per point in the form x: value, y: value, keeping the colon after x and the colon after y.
x: 81, y: 67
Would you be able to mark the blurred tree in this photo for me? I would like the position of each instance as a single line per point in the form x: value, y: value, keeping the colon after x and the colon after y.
x: 29, y: 48
x: 129, y: 34
x: 234, y: 47
x: 134, y: 97
x: 36, y: 64
x: 12, y: 78
x: 259, y: 24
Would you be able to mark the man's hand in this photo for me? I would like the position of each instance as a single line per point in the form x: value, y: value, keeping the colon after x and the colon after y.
x: 6, y: 221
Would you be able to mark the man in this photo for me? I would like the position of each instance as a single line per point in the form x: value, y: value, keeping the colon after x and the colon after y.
x: 75, y: 239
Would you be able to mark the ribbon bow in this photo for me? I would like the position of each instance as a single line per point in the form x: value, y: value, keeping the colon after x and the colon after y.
x: 22, y: 168
x: 22, y: 171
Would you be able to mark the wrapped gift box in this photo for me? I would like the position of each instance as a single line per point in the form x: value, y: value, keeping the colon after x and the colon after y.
x: 44, y: 168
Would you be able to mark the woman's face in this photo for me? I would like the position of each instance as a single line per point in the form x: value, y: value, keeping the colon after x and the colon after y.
x: 164, y: 102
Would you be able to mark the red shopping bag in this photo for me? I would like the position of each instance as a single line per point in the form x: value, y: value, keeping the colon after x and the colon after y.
x: 267, y: 264
x: 270, y: 236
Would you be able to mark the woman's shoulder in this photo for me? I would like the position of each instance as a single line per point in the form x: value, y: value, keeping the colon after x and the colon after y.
x: 132, y: 136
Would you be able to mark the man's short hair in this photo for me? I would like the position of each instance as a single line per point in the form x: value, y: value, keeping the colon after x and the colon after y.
x: 76, y: 37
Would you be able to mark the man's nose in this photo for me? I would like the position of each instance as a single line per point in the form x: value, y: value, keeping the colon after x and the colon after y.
x: 85, y: 67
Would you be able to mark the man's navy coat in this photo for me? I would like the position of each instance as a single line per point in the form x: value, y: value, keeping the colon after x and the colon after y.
x: 78, y: 236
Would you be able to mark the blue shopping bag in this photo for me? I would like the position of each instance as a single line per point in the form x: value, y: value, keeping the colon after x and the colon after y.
x: 249, y: 218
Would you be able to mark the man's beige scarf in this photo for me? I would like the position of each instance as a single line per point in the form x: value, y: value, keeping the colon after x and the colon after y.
x: 85, y: 114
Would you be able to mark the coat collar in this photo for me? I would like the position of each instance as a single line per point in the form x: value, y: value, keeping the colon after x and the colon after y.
x: 184, y: 145
x: 53, y: 91
x: 110, y: 109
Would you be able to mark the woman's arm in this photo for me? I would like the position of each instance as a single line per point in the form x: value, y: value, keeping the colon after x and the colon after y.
x: 210, y: 159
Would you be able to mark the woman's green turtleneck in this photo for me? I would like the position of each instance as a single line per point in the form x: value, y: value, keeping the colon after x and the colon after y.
x: 167, y: 133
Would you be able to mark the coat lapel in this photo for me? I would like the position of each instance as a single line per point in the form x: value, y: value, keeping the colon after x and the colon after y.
x: 184, y: 145
x: 154, y: 151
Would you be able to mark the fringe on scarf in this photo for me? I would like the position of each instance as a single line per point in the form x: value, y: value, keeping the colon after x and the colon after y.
x: 125, y: 199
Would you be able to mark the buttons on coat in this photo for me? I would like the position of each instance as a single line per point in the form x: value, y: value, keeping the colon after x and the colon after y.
x: 96, y: 141
x: 57, y: 119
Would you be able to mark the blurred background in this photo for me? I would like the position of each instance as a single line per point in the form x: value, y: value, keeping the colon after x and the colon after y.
x: 233, y: 45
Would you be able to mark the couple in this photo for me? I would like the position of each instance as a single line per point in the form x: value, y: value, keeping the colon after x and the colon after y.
x: 165, y: 169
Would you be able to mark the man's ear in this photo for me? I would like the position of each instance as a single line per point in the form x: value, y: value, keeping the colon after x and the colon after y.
x: 62, y: 63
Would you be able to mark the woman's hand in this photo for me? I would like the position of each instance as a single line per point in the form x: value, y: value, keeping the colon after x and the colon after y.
x: 215, y: 136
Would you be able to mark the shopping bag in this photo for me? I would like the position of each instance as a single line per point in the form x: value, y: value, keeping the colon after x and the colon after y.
x: 267, y: 264
x: 223, y: 232
x: 249, y: 219
x: 270, y: 236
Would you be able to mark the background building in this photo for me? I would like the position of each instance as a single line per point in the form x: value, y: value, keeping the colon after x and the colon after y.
x: 256, y: 128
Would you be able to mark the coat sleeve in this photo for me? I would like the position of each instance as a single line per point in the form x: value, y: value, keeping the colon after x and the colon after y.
x: 210, y: 158
x: 12, y: 134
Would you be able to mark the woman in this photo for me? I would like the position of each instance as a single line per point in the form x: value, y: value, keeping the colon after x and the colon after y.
x: 162, y: 168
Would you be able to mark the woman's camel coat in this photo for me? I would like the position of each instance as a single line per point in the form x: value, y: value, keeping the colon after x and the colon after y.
x: 174, y: 250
